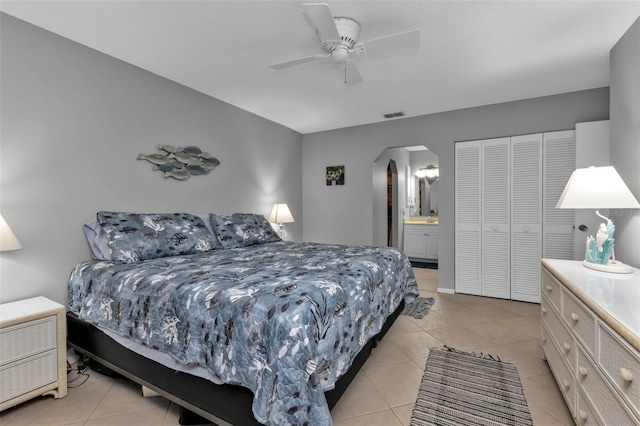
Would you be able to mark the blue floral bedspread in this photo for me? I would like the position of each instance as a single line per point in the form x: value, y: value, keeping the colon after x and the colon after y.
x: 283, y: 319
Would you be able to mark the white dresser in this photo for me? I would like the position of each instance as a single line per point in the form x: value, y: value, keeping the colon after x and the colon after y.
x: 591, y: 340
x: 32, y: 350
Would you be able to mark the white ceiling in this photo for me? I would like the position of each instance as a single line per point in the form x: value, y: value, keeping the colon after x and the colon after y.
x: 472, y: 52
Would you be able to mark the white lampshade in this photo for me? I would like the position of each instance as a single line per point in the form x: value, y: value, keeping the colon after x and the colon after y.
x: 281, y: 214
x: 596, y: 188
x: 8, y: 240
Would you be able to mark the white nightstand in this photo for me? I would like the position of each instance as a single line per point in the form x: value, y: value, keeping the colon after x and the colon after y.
x: 33, y: 338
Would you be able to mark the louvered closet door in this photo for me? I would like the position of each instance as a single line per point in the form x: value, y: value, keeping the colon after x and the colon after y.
x: 467, y: 218
x: 558, y: 164
x: 495, y: 218
x: 526, y: 217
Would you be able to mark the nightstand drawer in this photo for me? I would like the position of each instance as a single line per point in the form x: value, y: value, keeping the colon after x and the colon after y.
x: 23, y: 340
x: 621, y: 365
x: 28, y: 374
x: 605, y: 403
x: 580, y: 321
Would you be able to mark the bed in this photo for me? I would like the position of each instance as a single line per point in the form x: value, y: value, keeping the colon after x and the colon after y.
x: 229, y: 321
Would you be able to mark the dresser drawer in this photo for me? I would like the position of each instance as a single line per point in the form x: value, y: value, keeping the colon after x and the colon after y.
x: 563, y: 375
x: 580, y: 321
x: 564, y: 339
x: 621, y: 363
x: 23, y: 340
x: 551, y: 289
x: 585, y: 413
x: 604, y: 400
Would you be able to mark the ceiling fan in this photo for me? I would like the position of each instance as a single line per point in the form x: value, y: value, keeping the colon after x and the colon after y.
x: 339, y: 39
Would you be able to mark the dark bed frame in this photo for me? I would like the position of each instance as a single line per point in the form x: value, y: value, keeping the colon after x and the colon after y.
x: 200, y: 400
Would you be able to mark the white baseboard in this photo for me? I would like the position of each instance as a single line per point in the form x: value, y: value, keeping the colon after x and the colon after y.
x: 446, y: 290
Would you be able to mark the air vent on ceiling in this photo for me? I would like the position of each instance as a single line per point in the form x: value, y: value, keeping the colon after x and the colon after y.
x: 394, y: 114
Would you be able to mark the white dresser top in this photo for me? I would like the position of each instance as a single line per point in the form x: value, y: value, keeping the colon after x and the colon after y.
x: 614, y: 297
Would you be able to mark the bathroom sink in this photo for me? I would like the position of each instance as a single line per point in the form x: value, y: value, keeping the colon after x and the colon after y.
x: 421, y: 220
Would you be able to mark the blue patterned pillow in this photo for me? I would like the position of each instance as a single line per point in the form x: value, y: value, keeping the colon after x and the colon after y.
x: 133, y: 237
x: 242, y: 229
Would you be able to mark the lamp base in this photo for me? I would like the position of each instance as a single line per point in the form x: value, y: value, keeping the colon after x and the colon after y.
x: 613, y: 267
x: 281, y: 232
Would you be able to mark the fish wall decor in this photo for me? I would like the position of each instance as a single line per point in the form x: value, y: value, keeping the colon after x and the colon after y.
x: 181, y: 163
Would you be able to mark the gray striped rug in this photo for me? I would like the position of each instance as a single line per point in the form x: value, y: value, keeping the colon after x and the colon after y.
x: 460, y: 388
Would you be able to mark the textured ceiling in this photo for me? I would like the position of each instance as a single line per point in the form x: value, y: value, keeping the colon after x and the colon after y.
x: 472, y: 52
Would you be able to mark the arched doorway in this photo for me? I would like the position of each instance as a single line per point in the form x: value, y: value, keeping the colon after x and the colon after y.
x: 397, y: 190
x: 392, y: 183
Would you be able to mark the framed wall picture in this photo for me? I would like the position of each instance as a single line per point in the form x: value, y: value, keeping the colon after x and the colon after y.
x: 335, y: 175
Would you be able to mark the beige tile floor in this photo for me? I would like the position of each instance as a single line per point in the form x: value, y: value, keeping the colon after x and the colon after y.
x: 384, y: 391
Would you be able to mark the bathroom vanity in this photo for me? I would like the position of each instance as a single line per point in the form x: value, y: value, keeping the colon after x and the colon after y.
x: 421, y: 237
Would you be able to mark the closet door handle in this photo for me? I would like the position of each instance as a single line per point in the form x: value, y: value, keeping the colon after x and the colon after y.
x: 549, y: 287
x: 575, y: 316
x: 544, y: 310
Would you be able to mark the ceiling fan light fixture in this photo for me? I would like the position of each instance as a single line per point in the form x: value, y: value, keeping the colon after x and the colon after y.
x: 340, y: 54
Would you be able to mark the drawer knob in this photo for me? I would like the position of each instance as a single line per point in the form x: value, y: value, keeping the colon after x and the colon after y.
x: 582, y: 414
x: 567, y: 346
x: 626, y: 375
x: 582, y: 370
x: 566, y: 384
x: 544, y: 310
x: 548, y: 287
x: 574, y: 316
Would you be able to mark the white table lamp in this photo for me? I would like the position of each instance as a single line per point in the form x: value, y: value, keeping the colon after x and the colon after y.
x: 281, y: 215
x: 599, y: 188
x: 8, y: 240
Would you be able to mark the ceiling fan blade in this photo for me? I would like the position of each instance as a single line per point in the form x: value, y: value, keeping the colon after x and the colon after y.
x: 406, y: 40
x: 351, y: 74
x: 299, y: 61
x: 319, y: 16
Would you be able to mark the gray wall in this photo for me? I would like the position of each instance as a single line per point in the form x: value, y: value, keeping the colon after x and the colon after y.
x: 345, y: 216
x: 625, y: 138
x: 73, y: 122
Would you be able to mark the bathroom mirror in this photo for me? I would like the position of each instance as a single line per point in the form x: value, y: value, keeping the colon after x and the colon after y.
x: 426, y: 174
x: 427, y: 197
